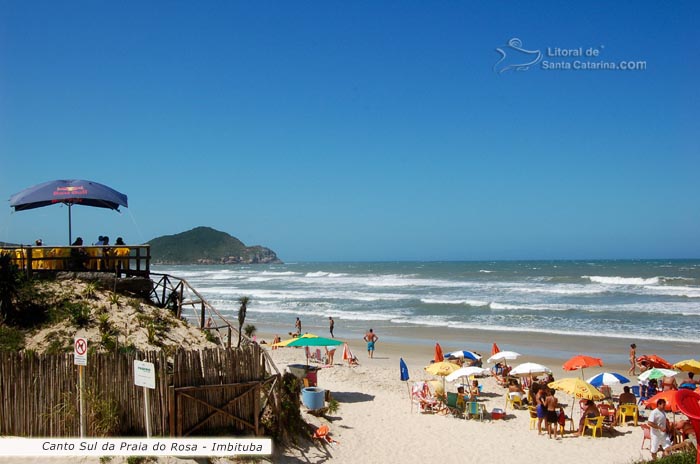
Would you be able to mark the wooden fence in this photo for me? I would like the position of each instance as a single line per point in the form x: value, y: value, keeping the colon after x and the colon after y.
x: 197, y: 393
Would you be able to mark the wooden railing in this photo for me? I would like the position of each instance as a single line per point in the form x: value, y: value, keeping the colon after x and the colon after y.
x: 120, y: 259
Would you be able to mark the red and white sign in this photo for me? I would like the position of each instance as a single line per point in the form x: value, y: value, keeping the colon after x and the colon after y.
x: 80, y: 351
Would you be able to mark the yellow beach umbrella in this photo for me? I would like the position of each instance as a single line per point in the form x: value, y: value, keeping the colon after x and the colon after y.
x: 442, y: 368
x: 293, y: 339
x: 688, y: 365
x: 577, y: 388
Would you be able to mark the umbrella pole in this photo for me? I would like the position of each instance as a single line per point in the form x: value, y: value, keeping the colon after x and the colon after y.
x: 70, y: 231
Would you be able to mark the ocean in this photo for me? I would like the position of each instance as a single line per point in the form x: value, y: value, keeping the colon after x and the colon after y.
x: 649, y: 300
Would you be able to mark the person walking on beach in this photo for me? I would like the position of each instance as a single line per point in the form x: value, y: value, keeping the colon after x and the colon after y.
x: 633, y: 360
x: 331, y: 324
x: 297, y: 327
x: 659, y: 427
x: 371, y: 338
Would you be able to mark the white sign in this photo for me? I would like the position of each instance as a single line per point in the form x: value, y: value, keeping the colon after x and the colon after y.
x: 144, y: 374
x: 80, y: 351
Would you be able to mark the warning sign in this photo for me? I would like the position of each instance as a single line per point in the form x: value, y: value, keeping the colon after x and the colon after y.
x: 80, y: 351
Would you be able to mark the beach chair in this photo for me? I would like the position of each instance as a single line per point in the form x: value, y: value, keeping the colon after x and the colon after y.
x: 323, y: 433
x: 647, y: 435
x: 533, y: 417
x: 475, y: 409
x: 455, y: 406
x: 514, y: 401
x: 594, y: 424
x: 627, y: 410
x: 635, y: 390
x: 422, y: 399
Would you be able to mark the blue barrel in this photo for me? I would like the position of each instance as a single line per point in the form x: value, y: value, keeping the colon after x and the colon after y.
x: 313, y: 397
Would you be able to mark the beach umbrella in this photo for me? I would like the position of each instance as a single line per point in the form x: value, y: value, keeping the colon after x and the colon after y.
x: 656, y: 374
x: 464, y: 354
x: 689, y: 402
x: 581, y: 361
x: 284, y: 343
x: 671, y: 397
x: 503, y: 356
x: 438, y: 353
x: 653, y: 360
x: 688, y: 365
x: 442, y: 368
x: 494, y: 349
x: 307, y: 340
x: 529, y: 369
x: 466, y: 372
x: 69, y: 192
x: 577, y: 388
x: 607, y: 378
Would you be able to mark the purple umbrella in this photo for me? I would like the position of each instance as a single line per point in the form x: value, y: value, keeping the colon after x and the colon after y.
x: 69, y: 192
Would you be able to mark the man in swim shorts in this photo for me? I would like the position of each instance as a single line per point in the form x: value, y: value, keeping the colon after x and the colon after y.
x: 370, y: 338
x: 551, y: 404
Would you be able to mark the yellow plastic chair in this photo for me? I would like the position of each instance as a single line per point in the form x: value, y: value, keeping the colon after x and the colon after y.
x: 533, y: 417
x: 38, y: 259
x: 95, y: 261
x: 595, y: 424
x: 627, y: 410
x: 514, y: 402
x: 20, y: 259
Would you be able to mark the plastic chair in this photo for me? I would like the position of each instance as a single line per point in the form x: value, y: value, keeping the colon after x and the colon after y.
x: 635, y: 390
x: 627, y: 410
x: 420, y: 397
x: 122, y: 262
x: 608, y: 412
x: 647, y: 435
x: 322, y: 433
x: 533, y: 417
x: 514, y: 401
x: 595, y: 424
x: 456, y: 407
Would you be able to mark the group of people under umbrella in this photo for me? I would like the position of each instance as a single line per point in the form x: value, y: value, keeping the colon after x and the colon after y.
x: 678, y: 398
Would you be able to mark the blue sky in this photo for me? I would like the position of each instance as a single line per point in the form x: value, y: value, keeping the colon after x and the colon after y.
x: 358, y: 130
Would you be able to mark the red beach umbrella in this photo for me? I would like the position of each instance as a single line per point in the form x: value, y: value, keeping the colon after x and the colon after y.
x: 671, y: 398
x: 438, y: 353
x: 655, y: 361
x: 581, y: 361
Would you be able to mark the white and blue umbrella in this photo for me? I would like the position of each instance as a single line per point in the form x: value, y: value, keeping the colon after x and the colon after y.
x: 607, y: 378
x: 464, y: 354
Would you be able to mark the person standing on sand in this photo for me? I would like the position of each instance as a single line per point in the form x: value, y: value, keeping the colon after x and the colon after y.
x: 371, y: 338
x: 331, y: 324
x: 633, y: 360
x: 551, y: 403
x: 297, y: 326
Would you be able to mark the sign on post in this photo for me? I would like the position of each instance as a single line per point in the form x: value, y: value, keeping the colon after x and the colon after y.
x: 144, y: 374
x: 80, y: 351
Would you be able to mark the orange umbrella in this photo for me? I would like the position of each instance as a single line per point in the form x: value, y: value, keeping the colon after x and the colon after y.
x: 669, y: 396
x: 494, y: 349
x: 655, y: 361
x: 581, y: 361
x: 438, y: 354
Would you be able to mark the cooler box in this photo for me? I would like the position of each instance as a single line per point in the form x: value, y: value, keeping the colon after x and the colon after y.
x: 313, y: 397
x: 498, y: 413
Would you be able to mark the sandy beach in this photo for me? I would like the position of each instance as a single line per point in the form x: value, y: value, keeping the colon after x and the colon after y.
x: 375, y: 423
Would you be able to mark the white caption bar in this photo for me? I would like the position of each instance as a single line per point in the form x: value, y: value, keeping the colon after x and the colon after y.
x: 218, y: 446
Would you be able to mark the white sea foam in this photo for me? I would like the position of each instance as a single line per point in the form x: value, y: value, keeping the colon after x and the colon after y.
x: 485, y: 271
x: 454, y: 302
x: 615, y: 280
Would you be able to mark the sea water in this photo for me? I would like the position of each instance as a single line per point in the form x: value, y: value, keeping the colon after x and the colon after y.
x: 651, y: 300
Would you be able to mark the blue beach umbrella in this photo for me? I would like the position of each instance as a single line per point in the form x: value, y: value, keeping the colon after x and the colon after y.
x: 607, y: 378
x: 404, y: 369
x: 69, y: 192
x: 463, y: 354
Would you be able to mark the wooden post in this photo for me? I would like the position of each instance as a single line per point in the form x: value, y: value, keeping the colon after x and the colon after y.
x: 230, y: 334
x: 29, y: 261
x: 138, y: 258
x: 147, y: 412
x: 81, y: 386
x: 171, y: 407
x: 201, y: 324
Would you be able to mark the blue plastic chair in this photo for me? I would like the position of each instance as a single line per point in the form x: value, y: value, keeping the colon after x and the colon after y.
x: 635, y: 390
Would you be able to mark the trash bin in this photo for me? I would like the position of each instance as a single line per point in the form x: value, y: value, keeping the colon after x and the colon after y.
x: 313, y: 397
x: 302, y: 371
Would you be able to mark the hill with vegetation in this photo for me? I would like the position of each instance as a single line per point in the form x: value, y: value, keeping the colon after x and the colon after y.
x: 204, y: 245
